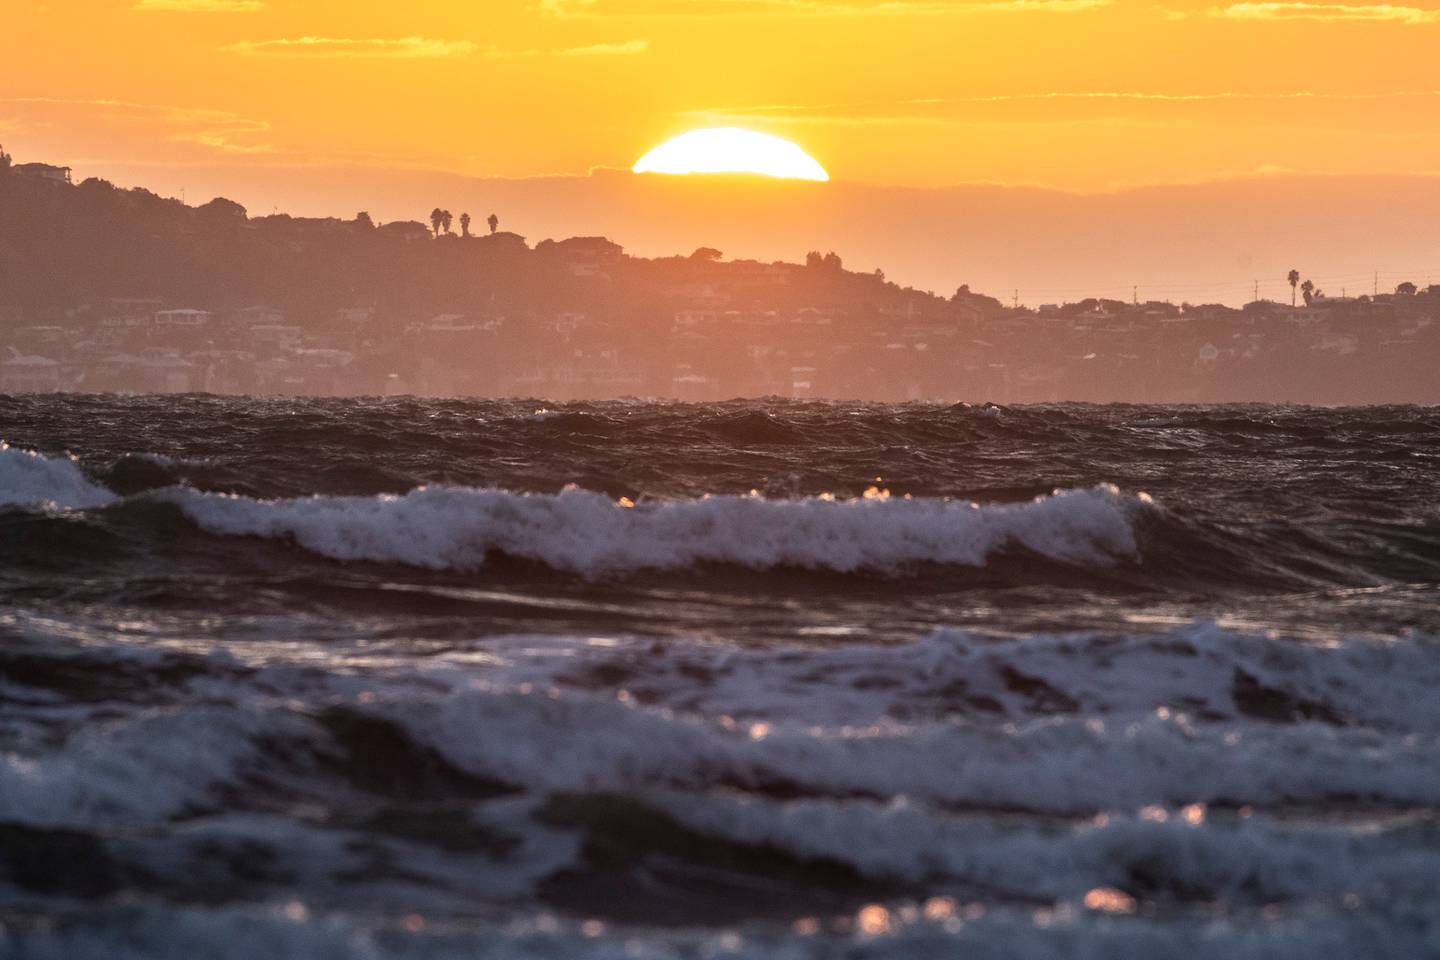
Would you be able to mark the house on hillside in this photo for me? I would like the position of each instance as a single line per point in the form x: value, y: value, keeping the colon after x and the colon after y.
x: 585, y: 256
x: 273, y: 337
x: 29, y: 374
x: 181, y: 319
x: 43, y: 171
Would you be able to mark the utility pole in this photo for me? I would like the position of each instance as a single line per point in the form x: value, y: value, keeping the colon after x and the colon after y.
x: 1135, y: 295
x: 1375, y: 290
x: 1257, y: 291
x: 1016, y: 302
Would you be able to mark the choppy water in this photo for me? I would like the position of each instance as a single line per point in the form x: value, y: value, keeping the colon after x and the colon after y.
x: 381, y: 679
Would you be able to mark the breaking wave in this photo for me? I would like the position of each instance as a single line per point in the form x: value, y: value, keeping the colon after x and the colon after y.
x: 580, y: 531
x: 655, y: 715
x: 585, y: 532
x: 1061, y: 725
x: 29, y: 479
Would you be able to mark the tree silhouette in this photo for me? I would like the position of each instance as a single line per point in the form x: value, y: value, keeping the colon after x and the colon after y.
x: 813, y: 259
x: 494, y: 222
x: 446, y: 218
x: 437, y: 217
x: 1294, y: 279
x: 363, y: 221
x: 706, y: 253
x: 1407, y: 289
x: 1308, y: 291
x: 465, y: 224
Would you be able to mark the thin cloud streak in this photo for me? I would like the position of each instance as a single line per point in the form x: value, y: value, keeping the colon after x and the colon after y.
x: 1100, y: 95
x: 852, y: 115
x: 417, y: 48
x: 629, y: 48
x: 1327, y: 12
x: 223, y: 131
x: 227, y: 137
x: 201, y: 6
x: 402, y: 48
x: 710, y: 9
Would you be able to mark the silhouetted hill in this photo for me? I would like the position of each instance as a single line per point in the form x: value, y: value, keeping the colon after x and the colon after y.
x: 65, y: 244
x: 104, y: 288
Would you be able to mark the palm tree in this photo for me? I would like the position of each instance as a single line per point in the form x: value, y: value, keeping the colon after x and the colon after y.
x: 446, y: 218
x: 1307, y: 290
x: 1294, y: 279
x: 465, y: 224
x: 437, y: 217
x: 494, y: 222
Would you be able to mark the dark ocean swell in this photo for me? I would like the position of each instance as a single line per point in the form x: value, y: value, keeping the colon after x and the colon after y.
x: 428, y: 679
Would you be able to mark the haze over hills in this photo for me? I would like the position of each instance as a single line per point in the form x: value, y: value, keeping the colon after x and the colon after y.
x: 106, y: 289
x: 1202, y: 242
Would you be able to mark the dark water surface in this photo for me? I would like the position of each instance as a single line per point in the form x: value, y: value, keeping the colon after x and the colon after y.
x: 404, y: 678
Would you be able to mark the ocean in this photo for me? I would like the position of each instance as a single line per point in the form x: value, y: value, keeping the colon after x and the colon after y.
x: 401, y: 678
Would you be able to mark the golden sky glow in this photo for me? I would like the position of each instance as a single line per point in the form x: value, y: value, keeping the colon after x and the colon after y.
x: 1082, y: 95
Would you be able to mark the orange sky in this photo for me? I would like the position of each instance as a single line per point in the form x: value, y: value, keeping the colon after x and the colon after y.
x: 1082, y: 95
x: 326, y: 107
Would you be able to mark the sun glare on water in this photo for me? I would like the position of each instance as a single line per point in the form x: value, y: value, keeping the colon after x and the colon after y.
x: 732, y: 150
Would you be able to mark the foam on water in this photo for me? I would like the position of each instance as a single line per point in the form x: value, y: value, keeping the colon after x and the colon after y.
x: 289, y: 931
x: 585, y: 532
x: 1186, y: 854
x: 29, y: 479
x: 872, y: 757
x: 1062, y: 764
x: 220, y: 748
x: 1193, y: 670
x: 950, y: 722
x: 133, y: 767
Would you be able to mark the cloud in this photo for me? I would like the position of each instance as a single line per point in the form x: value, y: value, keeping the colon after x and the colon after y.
x: 699, y: 9
x: 929, y: 111
x: 1136, y: 95
x: 418, y: 48
x: 201, y: 6
x: 629, y: 48
x: 402, y: 48
x: 1375, y: 12
x: 221, y: 131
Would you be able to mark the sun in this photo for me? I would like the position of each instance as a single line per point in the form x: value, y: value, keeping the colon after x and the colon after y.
x: 732, y: 150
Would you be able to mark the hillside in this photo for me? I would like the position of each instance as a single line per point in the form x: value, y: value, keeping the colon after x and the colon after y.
x: 109, y: 289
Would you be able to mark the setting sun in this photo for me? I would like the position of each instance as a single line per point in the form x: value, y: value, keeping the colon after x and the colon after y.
x: 732, y: 150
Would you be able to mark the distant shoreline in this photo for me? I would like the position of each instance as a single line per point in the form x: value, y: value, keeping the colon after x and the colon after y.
x: 112, y: 290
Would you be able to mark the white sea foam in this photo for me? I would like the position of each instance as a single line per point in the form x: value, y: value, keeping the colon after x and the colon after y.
x: 1064, y: 765
x: 135, y: 767
x: 1186, y: 672
x: 29, y: 479
x: 880, y: 722
x: 907, y: 801
x: 576, y: 530
x: 1235, y: 859
x: 290, y: 931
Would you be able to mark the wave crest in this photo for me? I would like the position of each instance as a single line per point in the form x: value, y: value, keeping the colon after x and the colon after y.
x: 29, y: 479
x: 580, y: 531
